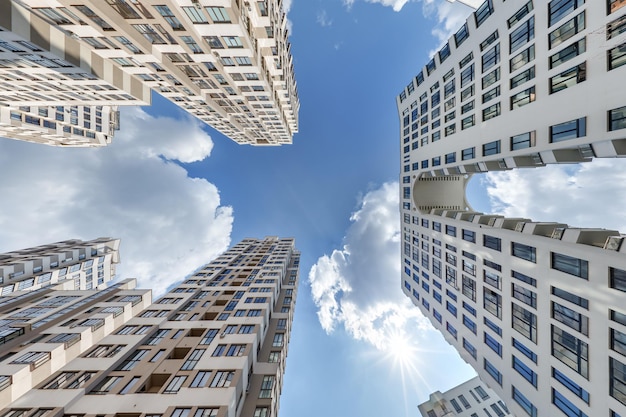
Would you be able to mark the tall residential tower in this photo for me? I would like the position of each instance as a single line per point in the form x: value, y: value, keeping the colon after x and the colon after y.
x: 213, y: 346
x: 536, y: 308
x: 226, y: 62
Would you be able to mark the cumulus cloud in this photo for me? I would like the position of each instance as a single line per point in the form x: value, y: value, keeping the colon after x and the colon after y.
x: 396, y: 4
x: 358, y: 285
x: 169, y: 223
x: 584, y: 195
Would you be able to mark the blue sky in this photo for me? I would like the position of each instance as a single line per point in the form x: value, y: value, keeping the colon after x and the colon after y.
x: 179, y: 193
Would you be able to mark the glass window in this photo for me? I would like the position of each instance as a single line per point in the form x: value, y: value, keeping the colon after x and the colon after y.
x: 525, y: 322
x: 617, y: 378
x: 461, y: 35
x: 493, y: 344
x: 523, y: 402
x: 521, y: 59
x: 567, y: 53
x: 493, y: 371
x: 524, y: 350
x: 558, y: 9
x: 570, y: 385
x: 483, y: 12
x: 617, y: 119
x: 492, y: 242
x: 571, y: 318
x: 568, y: 130
x: 523, y: 98
x: 525, y: 371
x: 525, y: 295
x: 522, y: 35
x: 616, y: 57
x: 492, y: 302
x: 526, y: 252
x: 565, y: 405
x: 520, y: 14
x: 491, y: 58
x: 570, y: 350
x: 218, y: 14
x: 583, y: 302
x: 522, y: 141
x: 570, y: 265
x: 567, y: 30
x: 491, y: 112
x: 568, y: 78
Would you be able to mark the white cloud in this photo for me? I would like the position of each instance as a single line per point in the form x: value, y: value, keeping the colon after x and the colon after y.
x: 450, y: 17
x: 395, y: 4
x: 323, y: 19
x: 358, y: 286
x: 169, y: 223
x: 584, y: 195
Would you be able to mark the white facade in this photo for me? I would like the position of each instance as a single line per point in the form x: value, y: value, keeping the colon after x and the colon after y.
x: 226, y: 62
x: 87, y: 264
x: 536, y: 308
x: 470, y: 399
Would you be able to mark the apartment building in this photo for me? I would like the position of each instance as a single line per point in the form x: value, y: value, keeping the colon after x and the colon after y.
x: 470, y: 399
x: 87, y: 264
x: 215, y: 345
x: 226, y: 62
x: 537, y: 308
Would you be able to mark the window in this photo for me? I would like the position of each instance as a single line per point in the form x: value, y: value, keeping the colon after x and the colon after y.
x: 583, y: 302
x: 558, y: 9
x: 523, y: 402
x: 444, y: 53
x: 491, y: 58
x: 192, y: 360
x: 469, y: 288
x: 616, y: 57
x: 106, y: 385
x: 567, y: 30
x: 523, y: 77
x: 524, y: 350
x: 565, y: 405
x: 483, y: 12
x: 468, y: 347
x: 491, y: 94
x: 520, y: 14
x: 570, y: 318
x: 616, y: 27
x: 568, y: 78
x: 493, y: 371
x: 523, y: 98
x: 456, y: 405
x: 195, y: 15
x: 131, y: 361
x: 222, y: 379
x: 492, y: 302
x: 492, y: 279
x: 617, y: 380
x: 467, y: 76
x: 525, y: 371
x: 492, y: 242
x: 567, y: 53
x: 175, y: 384
x: 570, y: 385
x: 525, y: 295
x: 524, y: 322
x: 570, y: 350
x: 266, y: 386
x: 617, y: 119
x: 169, y: 17
x: 491, y: 112
x: 461, y: 35
x: 278, y: 340
x: 467, y: 322
x: 522, y: 35
x: 60, y: 380
x: 568, y: 130
x: 526, y: 252
x: 496, y: 329
x: 523, y: 141
x: 33, y: 358
x: 469, y: 153
x: 468, y: 122
x: 521, y: 59
x: 570, y: 265
x: 493, y: 344
x: 218, y: 14
x: 104, y: 351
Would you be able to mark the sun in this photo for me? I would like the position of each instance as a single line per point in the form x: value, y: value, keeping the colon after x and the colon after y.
x: 400, y: 349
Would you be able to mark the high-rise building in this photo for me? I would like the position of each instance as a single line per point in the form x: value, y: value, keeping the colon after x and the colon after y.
x: 537, y: 308
x: 213, y: 346
x: 470, y: 399
x: 227, y: 62
x: 87, y: 264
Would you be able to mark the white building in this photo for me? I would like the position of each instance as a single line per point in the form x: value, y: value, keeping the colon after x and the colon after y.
x: 536, y: 308
x: 470, y: 399
x: 227, y: 62
x: 87, y: 264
